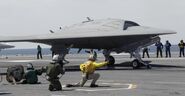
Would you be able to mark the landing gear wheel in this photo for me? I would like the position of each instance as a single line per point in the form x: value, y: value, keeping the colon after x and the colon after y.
x: 136, y: 64
x: 51, y: 88
x: 149, y: 67
x: 111, y: 61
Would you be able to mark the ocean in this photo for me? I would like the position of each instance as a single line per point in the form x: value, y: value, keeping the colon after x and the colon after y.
x: 46, y: 51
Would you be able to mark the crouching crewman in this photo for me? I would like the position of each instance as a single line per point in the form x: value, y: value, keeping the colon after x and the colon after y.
x: 53, y: 70
x: 88, y: 73
x: 30, y: 76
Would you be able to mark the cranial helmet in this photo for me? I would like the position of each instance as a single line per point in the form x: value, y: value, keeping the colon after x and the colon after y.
x: 55, y: 58
x: 29, y: 66
x: 93, y: 57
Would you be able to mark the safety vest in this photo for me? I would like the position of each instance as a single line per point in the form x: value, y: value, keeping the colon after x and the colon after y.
x: 181, y: 45
x: 90, y: 66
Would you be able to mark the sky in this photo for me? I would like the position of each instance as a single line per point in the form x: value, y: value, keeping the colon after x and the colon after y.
x: 37, y: 17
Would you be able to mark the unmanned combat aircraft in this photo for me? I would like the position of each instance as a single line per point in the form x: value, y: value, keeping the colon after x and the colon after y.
x: 110, y: 35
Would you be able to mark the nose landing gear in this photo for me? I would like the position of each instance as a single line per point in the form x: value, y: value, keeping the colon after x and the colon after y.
x: 138, y: 62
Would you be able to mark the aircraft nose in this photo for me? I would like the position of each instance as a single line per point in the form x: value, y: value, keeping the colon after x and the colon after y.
x: 159, y: 31
x: 163, y: 31
x: 150, y: 30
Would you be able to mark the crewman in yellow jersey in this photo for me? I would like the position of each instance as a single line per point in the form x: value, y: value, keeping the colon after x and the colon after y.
x: 88, y: 71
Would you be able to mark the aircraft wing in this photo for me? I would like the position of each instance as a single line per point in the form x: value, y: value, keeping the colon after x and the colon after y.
x: 86, y: 34
x: 97, y: 34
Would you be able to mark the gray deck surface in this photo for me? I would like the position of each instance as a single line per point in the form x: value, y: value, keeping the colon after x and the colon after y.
x: 166, y: 78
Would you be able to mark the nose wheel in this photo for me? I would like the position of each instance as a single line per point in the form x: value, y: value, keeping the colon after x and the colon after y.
x: 136, y: 64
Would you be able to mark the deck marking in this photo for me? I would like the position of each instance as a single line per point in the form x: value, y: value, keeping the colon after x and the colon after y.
x: 130, y: 86
x: 171, y: 83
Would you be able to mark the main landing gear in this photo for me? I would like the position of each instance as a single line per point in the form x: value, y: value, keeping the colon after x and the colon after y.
x: 111, y: 61
x: 108, y: 57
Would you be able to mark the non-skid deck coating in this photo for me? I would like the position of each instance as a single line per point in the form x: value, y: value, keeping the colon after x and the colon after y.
x: 166, y: 78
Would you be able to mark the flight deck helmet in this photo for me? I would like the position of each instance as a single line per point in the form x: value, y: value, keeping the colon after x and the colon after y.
x: 181, y: 41
x: 29, y: 66
x: 55, y: 58
x: 93, y: 57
